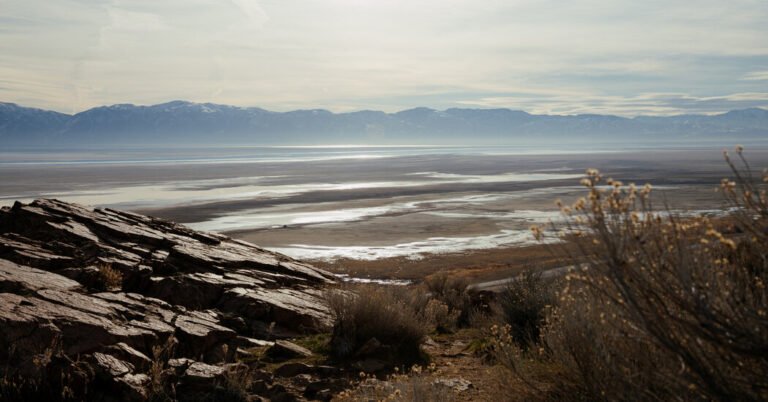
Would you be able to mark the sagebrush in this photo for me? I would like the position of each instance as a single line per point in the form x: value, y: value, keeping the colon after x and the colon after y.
x: 659, y: 307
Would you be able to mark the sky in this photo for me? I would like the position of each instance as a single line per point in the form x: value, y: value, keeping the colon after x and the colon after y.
x: 623, y: 57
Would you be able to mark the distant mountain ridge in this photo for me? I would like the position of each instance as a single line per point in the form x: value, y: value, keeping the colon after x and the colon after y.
x: 181, y: 122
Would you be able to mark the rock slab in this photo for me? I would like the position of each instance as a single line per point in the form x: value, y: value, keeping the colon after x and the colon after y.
x: 123, y: 291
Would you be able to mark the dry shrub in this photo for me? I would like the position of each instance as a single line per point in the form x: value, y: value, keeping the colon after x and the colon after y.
x: 111, y: 278
x: 452, y: 292
x: 440, y: 316
x: 49, y: 376
x: 662, y: 308
x: 386, y: 313
x: 235, y: 386
x: 160, y: 374
x: 523, y: 305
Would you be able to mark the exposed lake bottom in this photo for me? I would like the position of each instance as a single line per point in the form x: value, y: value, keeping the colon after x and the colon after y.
x: 366, y: 204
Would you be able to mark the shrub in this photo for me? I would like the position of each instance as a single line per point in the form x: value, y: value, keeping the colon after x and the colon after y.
x: 381, y: 313
x: 440, y: 316
x: 160, y: 374
x: 234, y: 387
x: 523, y: 305
x: 111, y: 279
x: 454, y: 294
x: 660, y: 308
x: 50, y: 375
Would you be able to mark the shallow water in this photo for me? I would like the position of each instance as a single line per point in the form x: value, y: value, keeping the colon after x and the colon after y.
x: 205, y: 191
x: 413, y: 250
x: 338, y: 202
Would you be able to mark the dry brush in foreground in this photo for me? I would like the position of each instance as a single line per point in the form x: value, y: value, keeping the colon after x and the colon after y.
x: 662, y: 307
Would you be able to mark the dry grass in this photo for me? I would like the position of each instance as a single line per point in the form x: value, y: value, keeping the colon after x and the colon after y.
x: 111, y: 278
x: 416, y: 386
x: 50, y: 376
x: 388, y: 314
x: 235, y: 385
x: 524, y: 304
x: 453, y: 293
x: 160, y: 375
x: 662, y: 308
x: 472, y: 266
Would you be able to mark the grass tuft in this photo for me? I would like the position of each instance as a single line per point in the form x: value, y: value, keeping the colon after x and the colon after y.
x: 111, y: 278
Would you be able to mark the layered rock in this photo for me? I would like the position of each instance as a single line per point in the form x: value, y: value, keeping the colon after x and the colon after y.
x: 118, y: 289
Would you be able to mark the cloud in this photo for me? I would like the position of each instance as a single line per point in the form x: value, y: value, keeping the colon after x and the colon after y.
x: 756, y: 76
x: 253, y: 10
x: 135, y: 22
x: 643, y: 104
x: 546, y: 55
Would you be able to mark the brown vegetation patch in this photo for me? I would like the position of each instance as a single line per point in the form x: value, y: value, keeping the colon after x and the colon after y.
x: 662, y: 308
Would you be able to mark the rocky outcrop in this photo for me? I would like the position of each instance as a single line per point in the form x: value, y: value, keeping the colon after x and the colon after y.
x: 123, y: 293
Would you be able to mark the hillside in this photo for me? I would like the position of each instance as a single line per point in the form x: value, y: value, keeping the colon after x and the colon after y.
x: 123, y: 293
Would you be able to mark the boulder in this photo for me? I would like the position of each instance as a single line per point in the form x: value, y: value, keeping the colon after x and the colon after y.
x: 133, y: 387
x: 455, y: 384
x: 294, y: 368
x: 284, y: 350
x: 200, y: 379
x: 203, y: 373
x: 369, y: 348
x: 130, y: 355
x: 371, y: 365
x: 324, y: 389
x: 21, y: 279
x: 111, y: 366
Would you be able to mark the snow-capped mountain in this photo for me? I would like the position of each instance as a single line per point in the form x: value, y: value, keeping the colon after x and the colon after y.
x: 187, y: 123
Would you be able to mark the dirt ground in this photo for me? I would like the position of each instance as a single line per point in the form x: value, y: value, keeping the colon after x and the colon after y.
x: 475, y: 266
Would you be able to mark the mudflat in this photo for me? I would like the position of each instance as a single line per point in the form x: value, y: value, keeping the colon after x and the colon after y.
x: 383, y: 214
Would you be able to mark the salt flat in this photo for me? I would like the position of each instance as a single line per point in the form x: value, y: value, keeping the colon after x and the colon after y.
x: 361, y: 203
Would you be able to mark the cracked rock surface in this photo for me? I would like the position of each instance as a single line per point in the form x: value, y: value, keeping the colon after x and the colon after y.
x: 115, y: 289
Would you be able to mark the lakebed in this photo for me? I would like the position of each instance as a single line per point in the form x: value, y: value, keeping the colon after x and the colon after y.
x: 387, y: 212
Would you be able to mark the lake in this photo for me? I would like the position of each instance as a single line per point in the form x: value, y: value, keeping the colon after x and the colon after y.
x: 357, y: 202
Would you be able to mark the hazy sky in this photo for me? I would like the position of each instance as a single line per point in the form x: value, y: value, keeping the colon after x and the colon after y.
x: 624, y: 57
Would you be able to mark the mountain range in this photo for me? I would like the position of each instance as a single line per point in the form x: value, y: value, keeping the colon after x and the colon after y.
x: 187, y: 123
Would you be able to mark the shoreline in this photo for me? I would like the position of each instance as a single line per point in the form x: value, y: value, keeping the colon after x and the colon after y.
x: 465, y: 214
x: 474, y: 266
